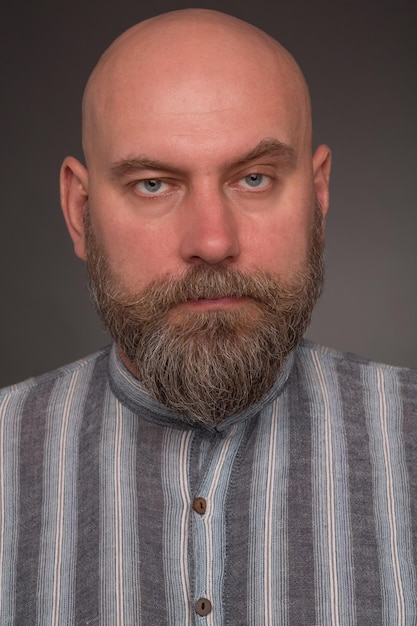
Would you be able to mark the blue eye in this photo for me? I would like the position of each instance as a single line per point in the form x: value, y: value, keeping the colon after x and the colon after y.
x: 256, y: 181
x: 151, y: 186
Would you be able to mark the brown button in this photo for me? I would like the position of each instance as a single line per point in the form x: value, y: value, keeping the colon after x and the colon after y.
x: 203, y: 606
x: 199, y: 505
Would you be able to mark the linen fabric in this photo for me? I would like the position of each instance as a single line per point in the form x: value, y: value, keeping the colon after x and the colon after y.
x: 300, y: 511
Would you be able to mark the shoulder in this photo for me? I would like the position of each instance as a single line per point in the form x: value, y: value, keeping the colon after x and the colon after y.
x: 355, y: 374
x: 81, y: 368
x: 361, y: 393
x: 308, y: 350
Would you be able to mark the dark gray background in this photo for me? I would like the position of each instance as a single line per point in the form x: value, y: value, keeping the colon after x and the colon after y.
x: 359, y: 58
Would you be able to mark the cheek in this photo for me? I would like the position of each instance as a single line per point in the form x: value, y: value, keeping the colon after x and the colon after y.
x: 281, y: 246
x: 136, y: 254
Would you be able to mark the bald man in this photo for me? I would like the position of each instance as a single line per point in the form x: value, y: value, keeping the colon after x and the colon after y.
x: 211, y: 466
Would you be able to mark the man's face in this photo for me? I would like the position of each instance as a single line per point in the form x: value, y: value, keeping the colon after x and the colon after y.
x: 210, y: 165
x: 199, y: 158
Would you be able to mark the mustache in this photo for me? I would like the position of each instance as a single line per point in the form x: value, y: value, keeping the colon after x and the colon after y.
x: 206, y: 282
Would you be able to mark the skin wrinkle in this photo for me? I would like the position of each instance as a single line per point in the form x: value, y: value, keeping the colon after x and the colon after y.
x: 140, y: 40
x: 265, y: 148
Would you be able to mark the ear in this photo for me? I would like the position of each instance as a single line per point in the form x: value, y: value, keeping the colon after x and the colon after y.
x: 74, y: 198
x: 322, y: 160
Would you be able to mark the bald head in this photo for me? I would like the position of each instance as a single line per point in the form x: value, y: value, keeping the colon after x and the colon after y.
x: 197, y: 138
x: 185, y: 58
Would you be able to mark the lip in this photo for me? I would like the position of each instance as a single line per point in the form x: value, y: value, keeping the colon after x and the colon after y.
x: 214, y: 304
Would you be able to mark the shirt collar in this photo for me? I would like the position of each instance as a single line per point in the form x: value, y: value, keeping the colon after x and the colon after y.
x: 133, y: 395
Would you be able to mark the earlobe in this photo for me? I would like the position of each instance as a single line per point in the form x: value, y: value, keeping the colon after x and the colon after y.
x: 322, y: 159
x: 74, y: 198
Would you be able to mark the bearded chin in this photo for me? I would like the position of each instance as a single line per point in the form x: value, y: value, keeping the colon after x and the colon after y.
x: 206, y: 366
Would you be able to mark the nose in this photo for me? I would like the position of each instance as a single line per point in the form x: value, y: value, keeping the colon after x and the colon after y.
x: 209, y: 229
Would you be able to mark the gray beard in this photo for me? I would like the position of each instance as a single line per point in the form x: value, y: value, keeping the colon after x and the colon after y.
x: 206, y: 366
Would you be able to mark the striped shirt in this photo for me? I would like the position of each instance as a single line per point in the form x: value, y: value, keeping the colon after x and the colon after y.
x: 302, y: 511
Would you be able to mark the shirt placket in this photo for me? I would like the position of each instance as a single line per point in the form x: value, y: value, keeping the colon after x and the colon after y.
x: 208, y: 526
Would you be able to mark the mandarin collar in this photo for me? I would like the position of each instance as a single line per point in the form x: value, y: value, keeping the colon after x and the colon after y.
x: 132, y: 394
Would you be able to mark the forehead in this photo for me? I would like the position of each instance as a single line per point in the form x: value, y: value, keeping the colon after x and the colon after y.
x: 195, y: 98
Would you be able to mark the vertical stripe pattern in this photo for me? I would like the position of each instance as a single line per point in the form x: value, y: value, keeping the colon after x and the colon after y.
x: 56, y: 574
x: 310, y: 513
x: 267, y: 584
x: 300, y: 549
x: 119, y: 551
x: 176, y: 524
x: 392, y: 497
x: 362, y: 520
x: 331, y: 507
x: 31, y: 471
x: 8, y: 501
x: 209, y: 540
x: 87, y: 580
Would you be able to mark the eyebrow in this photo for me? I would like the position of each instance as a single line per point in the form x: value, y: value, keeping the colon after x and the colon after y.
x: 266, y: 148
x: 124, y: 167
x: 270, y: 148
